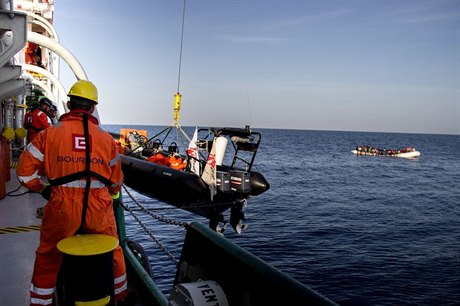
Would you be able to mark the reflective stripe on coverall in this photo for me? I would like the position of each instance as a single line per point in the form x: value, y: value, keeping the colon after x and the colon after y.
x: 64, y: 155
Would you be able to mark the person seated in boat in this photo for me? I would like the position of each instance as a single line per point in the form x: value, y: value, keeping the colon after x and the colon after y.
x: 158, y: 157
x: 176, y: 161
x: 408, y: 149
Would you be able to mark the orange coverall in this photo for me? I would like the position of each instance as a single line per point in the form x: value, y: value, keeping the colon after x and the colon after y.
x: 59, y: 151
x: 35, y: 121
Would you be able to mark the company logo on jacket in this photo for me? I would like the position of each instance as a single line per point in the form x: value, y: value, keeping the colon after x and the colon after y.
x: 79, y: 143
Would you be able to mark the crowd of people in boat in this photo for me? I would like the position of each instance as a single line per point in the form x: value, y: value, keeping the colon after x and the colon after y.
x: 368, y: 150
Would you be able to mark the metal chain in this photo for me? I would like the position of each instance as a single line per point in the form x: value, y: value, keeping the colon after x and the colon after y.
x: 163, y: 219
x: 147, y: 231
x: 159, y: 218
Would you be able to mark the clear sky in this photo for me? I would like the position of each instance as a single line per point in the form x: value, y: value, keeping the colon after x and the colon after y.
x: 365, y: 65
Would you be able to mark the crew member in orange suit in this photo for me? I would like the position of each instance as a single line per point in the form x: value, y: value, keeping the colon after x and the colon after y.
x: 175, y: 161
x: 80, y: 192
x: 36, y: 119
x: 158, y: 157
x: 31, y: 53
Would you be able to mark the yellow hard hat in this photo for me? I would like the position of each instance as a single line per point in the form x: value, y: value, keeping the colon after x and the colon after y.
x: 84, y: 89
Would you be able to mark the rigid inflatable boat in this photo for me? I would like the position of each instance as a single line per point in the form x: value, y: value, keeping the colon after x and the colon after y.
x: 204, y: 185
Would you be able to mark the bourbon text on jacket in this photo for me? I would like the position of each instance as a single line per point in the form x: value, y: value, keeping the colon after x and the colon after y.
x: 71, y: 159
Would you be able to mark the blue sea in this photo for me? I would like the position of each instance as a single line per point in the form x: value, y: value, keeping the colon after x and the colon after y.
x: 359, y: 230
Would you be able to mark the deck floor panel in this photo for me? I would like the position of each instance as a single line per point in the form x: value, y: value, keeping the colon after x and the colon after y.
x: 17, y: 248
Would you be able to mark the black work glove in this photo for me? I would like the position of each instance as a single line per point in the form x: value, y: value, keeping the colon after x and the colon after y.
x: 46, y: 192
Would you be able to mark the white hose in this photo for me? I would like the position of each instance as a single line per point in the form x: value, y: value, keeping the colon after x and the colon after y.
x: 65, y: 54
x: 62, y: 108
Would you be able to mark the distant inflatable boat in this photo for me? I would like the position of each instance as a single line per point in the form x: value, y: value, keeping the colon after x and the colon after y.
x: 408, y: 152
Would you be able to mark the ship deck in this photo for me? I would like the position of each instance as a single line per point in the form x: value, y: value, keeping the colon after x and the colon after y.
x: 19, y: 236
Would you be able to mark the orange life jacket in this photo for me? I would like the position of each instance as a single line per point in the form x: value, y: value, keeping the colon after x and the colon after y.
x: 176, y: 162
x: 158, y: 159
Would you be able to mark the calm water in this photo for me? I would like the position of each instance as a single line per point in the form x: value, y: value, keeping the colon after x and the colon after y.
x: 359, y: 230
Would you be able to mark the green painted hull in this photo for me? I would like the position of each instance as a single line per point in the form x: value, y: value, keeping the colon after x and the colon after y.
x: 207, y: 255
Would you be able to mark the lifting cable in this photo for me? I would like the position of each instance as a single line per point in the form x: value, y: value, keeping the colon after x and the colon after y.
x: 181, y: 47
x: 178, y: 96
